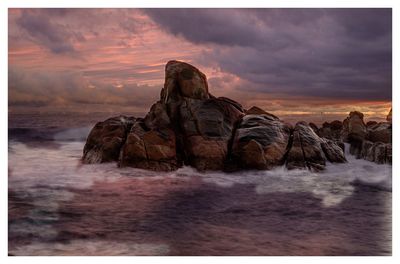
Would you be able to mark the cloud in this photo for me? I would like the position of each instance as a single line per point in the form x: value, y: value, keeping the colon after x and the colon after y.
x: 339, y: 53
x: 55, y: 37
x: 35, y: 88
x: 290, y: 59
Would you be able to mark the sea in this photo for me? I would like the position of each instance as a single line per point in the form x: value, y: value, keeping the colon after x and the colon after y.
x: 58, y: 206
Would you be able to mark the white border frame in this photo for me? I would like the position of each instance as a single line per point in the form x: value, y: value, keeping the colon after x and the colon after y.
x: 5, y: 4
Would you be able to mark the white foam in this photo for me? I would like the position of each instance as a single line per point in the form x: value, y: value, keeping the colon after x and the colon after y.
x: 80, y: 247
x: 45, y: 175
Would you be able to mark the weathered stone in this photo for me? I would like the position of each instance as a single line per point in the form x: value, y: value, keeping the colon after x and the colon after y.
x: 206, y: 154
x: 209, y: 123
x: 354, y: 132
x: 185, y: 80
x: 310, y: 151
x: 331, y: 130
x: 354, y: 128
x: 377, y: 152
x: 157, y: 116
x: 106, y: 139
x: 149, y: 149
x: 381, y: 132
x: 260, y: 142
x: 333, y: 151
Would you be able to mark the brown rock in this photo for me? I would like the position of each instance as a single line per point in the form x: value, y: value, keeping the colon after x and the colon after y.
x: 381, y: 132
x: 106, y: 139
x: 310, y: 151
x: 184, y: 80
x: 260, y: 142
x: 206, y: 154
x: 149, y: 149
x: 354, y: 132
x: 157, y: 116
x: 377, y: 152
x: 209, y: 123
x: 331, y: 130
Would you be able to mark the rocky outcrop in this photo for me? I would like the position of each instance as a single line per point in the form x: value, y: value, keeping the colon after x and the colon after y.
x: 354, y: 128
x: 182, y: 79
x: 260, y: 142
x: 310, y: 151
x: 371, y: 142
x: 381, y: 132
x: 149, y: 149
x: 354, y: 132
x: 106, y: 139
x: 189, y: 126
x: 331, y: 130
x: 207, y: 126
x: 377, y: 152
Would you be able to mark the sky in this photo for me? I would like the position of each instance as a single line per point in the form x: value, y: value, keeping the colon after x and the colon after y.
x: 286, y: 61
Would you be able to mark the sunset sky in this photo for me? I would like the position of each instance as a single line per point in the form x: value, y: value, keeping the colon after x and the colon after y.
x: 286, y: 61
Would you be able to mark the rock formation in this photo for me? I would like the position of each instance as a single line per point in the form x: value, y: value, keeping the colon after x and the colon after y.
x: 331, y: 130
x: 189, y: 126
x: 106, y: 139
x: 260, y: 142
x: 310, y: 151
x: 372, y: 142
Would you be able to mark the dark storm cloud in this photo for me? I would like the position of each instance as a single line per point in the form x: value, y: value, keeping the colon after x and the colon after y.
x: 42, y: 30
x: 337, y: 53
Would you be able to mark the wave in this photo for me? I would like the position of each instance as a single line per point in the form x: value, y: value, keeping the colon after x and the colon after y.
x: 43, y: 181
x: 81, y: 247
x: 56, y: 134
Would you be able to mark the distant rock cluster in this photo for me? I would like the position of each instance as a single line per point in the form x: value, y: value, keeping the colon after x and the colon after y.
x: 189, y: 126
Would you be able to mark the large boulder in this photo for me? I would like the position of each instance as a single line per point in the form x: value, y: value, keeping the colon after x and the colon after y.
x: 106, y: 139
x: 354, y: 132
x: 381, y: 132
x: 377, y: 152
x: 207, y: 126
x: 183, y: 79
x: 260, y: 142
x: 149, y: 148
x: 310, y: 151
x: 354, y: 128
x: 157, y: 117
x: 331, y: 130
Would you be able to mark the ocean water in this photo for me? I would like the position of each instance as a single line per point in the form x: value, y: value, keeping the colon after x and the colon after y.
x: 57, y: 206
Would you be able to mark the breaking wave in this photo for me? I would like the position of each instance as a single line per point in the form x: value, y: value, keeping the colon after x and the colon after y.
x: 43, y: 180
